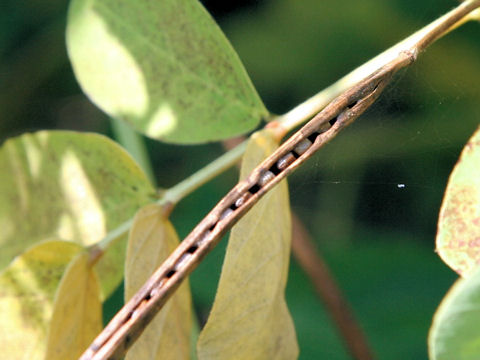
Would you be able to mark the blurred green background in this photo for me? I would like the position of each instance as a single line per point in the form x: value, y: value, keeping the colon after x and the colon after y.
x: 377, y: 236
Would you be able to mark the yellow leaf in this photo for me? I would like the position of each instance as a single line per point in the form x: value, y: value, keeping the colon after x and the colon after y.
x: 77, y: 313
x: 152, y: 238
x: 249, y: 318
x: 71, y: 186
x: 27, y: 292
x: 458, y: 236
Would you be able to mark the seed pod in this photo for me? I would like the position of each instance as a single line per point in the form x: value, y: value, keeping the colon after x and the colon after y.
x: 343, y: 115
x: 157, y: 288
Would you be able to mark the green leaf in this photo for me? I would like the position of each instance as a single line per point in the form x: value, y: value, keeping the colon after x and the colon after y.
x: 249, y: 318
x: 152, y: 238
x: 27, y: 292
x: 69, y: 186
x: 77, y: 312
x: 163, y: 66
x: 455, y: 333
x: 458, y: 237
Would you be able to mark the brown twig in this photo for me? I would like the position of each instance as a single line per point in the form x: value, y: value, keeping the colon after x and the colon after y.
x: 317, y: 270
x: 128, y: 324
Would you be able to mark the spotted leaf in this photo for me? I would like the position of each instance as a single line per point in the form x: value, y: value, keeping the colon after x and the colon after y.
x: 72, y: 186
x: 164, y: 66
x: 458, y: 236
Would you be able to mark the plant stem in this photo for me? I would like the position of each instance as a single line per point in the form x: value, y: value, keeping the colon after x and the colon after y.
x: 176, y: 193
x: 135, y: 145
x: 204, y: 175
x: 327, y: 289
x: 111, y: 236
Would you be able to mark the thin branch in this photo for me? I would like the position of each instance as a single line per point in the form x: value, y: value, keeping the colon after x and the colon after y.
x: 172, y: 196
x: 317, y: 270
x: 134, y: 144
x: 130, y: 321
x: 190, y: 184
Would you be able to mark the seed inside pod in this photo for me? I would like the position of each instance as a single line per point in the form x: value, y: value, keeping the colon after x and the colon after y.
x: 302, y: 146
x: 265, y: 178
x: 203, y: 238
x: 226, y: 213
x: 183, y: 259
x: 285, y: 160
x: 242, y: 199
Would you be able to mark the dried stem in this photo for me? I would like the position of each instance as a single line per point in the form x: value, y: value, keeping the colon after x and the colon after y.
x: 317, y: 270
x: 130, y: 321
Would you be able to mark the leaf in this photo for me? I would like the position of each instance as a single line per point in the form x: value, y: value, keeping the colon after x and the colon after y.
x: 475, y: 15
x: 249, y: 318
x: 458, y: 236
x: 72, y: 186
x: 163, y: 66
x: 455, y: 333
x: 77, y: 313
x: 152, y: 239
x: 27, y: 292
